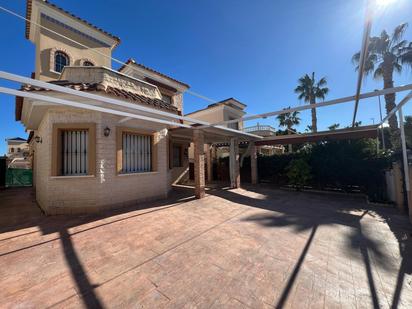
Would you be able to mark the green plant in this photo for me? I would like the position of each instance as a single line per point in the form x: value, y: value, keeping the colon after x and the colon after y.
x: 299, y: 173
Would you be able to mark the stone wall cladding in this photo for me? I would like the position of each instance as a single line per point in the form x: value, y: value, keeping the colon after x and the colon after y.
x: 106, y: 189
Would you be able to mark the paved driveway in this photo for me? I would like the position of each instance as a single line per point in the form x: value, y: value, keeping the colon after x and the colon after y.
x: 255, y: 248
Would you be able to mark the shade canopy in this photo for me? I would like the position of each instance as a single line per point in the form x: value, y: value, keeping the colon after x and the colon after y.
x: 349, y: 133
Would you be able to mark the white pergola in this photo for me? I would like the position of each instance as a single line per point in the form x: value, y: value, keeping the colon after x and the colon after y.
x: 190, y: 127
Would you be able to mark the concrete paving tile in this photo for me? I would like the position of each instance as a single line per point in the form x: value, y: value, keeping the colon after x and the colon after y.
x: 244, y: 248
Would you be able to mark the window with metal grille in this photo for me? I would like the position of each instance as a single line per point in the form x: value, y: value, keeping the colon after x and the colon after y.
x: 137, y: 153
x: 167, y: 98
x: 60, y: 61
x: 233, y: 125
x: 75, y: 151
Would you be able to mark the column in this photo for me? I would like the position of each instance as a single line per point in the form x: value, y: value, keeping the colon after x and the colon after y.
x: 253, y: 163
x: 209, y: 162
x: 199, y: 164
x: 234, y: 163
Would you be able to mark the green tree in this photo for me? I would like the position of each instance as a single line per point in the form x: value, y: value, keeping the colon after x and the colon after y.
x: 408, y: 131
x: 388, y: 54
x: 309, y: 90
x: 288, y: 120
x: 334, y: 126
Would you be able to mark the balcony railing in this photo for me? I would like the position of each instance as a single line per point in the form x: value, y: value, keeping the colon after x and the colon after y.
x: 260, y: 127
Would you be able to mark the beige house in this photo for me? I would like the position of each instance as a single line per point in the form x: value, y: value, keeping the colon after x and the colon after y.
x: 18, y: 153
x: 85, y: 158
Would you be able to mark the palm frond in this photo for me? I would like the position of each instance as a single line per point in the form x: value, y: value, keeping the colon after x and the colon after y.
x: 405, y: 56
x: 322, y: 92
x: 302, y: 96
x: 398, y: 33
x: 322, y: 82
x: 356, y: 58
x: 378, y: 73
x: 384, y: 36
x: 299, y: 89
x: 397, y: 47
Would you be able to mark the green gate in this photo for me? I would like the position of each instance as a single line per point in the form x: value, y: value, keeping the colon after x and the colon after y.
x: 18, y: 177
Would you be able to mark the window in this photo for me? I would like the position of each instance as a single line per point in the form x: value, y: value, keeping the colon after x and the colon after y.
x: 11, y: 149
x: 137, y: 153
x: 18, y: 149
x: 73, y: 149
x: 75, y: 152
x: 177, y: 156
x: 167, y: 98
x: 233, y: 125
x: 88, y: 64
x: 60, y: 61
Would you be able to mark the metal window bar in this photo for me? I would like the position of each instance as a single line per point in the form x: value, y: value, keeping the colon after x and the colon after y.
x: 137, y: 152
x: 75, y: 144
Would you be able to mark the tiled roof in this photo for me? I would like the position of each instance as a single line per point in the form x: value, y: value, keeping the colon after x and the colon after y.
x: 29, y: 5
x: 16, y: 139
x: 132, y: 61
x: 223, y: 102
x: 227, y: 101
x: 113, y: 91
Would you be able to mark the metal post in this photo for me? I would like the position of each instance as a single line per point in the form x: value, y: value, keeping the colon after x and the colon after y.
x: 405, y: 162
x: 380, y: 114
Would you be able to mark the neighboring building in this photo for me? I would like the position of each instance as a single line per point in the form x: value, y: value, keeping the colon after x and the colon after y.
x: 18, y: 154
x: 265, y: 131
x: 83, y: 160
x: 228, y: 109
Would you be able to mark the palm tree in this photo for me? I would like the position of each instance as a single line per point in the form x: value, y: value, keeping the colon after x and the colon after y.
x: 388, y: 54
x: 309, y: 90
x: 288, y: 120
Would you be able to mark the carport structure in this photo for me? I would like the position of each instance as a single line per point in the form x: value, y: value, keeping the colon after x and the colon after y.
x: 201, y: 132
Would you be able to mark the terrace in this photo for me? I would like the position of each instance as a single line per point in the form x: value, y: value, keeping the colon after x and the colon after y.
x: 241, y: 248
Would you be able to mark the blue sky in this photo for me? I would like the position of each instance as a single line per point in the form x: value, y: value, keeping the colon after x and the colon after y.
x: 251, y: 50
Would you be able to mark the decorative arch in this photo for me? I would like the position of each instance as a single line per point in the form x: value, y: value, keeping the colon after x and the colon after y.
x: 87, y: 62
x: 54, y: 52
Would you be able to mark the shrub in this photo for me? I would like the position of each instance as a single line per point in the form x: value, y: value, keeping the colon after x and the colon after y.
x: 299, y: 173
x: 347, y: 165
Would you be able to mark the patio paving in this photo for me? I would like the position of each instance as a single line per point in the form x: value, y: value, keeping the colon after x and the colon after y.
x: 243, y: 248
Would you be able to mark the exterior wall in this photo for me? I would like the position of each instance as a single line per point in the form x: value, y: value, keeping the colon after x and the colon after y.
x: 211, y: 115
x: 48, y: 42
x: 229, y: 114
x: 138, y: 73
x: 217, y: 114
x: 179, y: 174
x: 105, y: 189
x: 178, y: 102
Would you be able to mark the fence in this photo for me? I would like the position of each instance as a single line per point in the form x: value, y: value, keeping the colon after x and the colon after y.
x: 17, y: 177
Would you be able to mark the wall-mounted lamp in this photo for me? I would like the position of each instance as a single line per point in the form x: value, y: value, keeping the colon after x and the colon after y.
x: 38, y: 139
x: 106, y: 131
